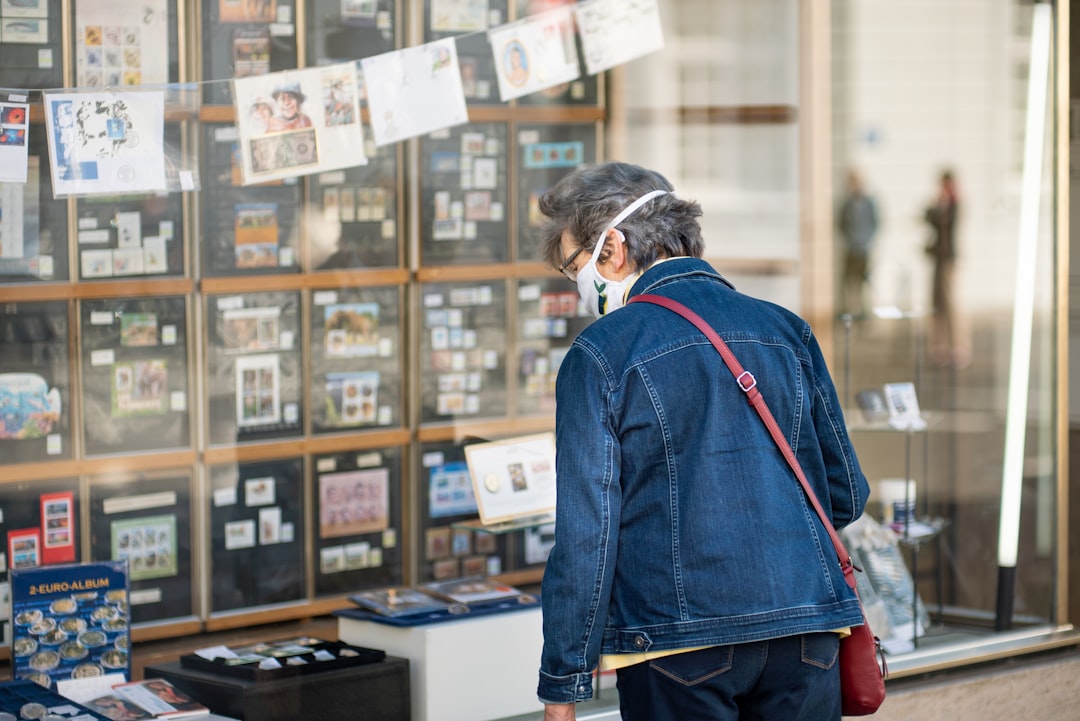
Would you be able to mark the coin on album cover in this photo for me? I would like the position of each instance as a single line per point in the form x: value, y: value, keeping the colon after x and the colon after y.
x: 28, y: 618
x: 44, y: 660
x: 491, y: 482
x: 73, y: 651
x: 33, y: 710
x: 24, y: 646
x: 114, y: 659
x: 87, y: 670
x: 93, y: 639
x: 63, y: 606
x: 5, y: 716
x: 73, y: 625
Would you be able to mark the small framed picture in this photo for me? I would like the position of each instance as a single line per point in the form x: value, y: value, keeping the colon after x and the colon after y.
x: 903, y: 404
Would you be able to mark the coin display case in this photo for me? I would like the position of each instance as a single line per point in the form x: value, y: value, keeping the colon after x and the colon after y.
x: 256, y: 513
x: 356, y: 501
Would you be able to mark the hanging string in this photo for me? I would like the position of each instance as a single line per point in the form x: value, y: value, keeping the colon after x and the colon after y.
x: 194, y: 85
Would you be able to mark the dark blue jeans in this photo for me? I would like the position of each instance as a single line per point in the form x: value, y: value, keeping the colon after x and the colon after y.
x: 786, y: 679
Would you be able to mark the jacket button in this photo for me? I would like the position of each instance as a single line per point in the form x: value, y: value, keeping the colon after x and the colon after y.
x: 639, y: 642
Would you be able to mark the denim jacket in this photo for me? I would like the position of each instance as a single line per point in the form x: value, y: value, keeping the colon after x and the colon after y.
x: 678, y: 522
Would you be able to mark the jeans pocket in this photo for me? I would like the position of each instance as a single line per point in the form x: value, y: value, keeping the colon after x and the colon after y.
x: 820, y: 649
x: 693, y: 667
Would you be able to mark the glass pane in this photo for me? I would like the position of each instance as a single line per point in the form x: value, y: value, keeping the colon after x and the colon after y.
x: 928, y: 211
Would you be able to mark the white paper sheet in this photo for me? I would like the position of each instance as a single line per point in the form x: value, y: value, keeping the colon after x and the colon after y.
x: 299, y: 122
x: 106, y: 142
x: 614, y: 32
x: 121, y: 43
x: 414, y: 91
x: 14, y: 136
x: 535, y: 53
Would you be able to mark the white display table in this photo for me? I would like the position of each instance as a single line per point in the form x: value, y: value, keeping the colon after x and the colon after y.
x: 466, y: 669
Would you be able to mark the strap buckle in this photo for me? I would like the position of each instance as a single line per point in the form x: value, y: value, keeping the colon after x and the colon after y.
x: 746, y: 386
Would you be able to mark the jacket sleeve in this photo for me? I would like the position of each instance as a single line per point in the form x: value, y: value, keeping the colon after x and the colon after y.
x: 578, y: 576
x: 848, y: 488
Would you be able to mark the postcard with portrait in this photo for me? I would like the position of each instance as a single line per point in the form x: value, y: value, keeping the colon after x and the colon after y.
x: 298, y: 122
x: 535, y: 53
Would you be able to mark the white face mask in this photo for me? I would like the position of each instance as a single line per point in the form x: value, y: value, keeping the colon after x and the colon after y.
x: 600, y: 295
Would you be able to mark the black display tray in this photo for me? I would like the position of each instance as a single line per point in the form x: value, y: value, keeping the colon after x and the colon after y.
x: 14, y: 695
x: 345, y: 656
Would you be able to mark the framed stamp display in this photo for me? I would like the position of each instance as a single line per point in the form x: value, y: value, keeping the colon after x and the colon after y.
x: 545, y: 154
x: 119, y: 44
x: 33, y: 224
x: 134, y: 359
x: 468, y: 22
x: 241, y: 38
x: 31, y: 43
x: 583, y: 91
x: 132, y: 235
x: 358, y: 510
x: 337, y: 31
x: 445, y: 498
x: 463, y: 195
x: 256, y: 513
x: 355, y: 218
x: 356, y: 359
x: 246, y: 230
x: 35, y: 382
x: 146, y: 520
x: 47, y: 512
x: 550, y: 315
x: 254, y: 379
x: 462, y: 350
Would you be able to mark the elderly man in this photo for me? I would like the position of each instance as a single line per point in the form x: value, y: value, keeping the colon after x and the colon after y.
x: 686, y: 554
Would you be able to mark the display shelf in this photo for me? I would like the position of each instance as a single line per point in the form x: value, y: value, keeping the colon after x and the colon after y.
x: 518, y: 524
x: 360, y: 238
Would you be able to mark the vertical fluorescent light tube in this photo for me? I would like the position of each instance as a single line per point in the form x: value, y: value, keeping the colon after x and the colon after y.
x: 1023, y: 308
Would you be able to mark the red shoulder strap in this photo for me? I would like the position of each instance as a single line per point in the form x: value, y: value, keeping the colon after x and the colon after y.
x: 748, y: 384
